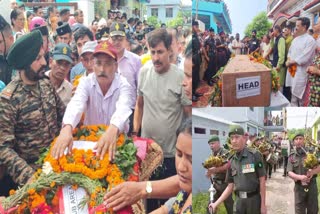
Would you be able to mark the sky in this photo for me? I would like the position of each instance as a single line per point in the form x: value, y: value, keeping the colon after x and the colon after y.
x: 296, y: 117
x: 242, y: 13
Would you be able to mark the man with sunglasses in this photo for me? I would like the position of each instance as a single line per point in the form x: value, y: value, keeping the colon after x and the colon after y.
x: 6, y: 41
x: 129, y: 63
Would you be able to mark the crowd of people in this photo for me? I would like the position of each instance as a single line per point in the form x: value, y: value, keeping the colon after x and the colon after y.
x: 119, y: 71
x: 251, y: 160
x: 292, y: 51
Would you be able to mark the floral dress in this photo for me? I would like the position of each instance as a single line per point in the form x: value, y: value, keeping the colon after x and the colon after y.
x: 178, y: 204
x: 314, y: 84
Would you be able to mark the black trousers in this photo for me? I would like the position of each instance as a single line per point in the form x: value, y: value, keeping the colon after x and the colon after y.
x: 211, y: 70
x: 167, y: 169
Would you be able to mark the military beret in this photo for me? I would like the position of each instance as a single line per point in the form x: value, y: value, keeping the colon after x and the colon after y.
x: 300, y: 133
x: 213, y: 138
x: 236, y: 129
x: 43, y: 29
x: 63, y: 28
x: 211, y: 29
x: 25, y: 50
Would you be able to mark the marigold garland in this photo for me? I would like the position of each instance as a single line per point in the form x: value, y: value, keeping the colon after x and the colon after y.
x: 42, y: 195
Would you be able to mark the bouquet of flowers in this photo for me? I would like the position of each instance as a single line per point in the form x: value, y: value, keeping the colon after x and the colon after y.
x: 216, y: 95
x: 80, y: 169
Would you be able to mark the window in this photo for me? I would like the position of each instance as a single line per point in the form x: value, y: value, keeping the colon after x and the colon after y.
x: 169, y: 12
x: 214, y: 132
x: 154, y: 12
x: 199, y: 130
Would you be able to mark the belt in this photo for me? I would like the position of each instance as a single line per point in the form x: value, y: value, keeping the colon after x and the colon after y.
x: 242, y: 194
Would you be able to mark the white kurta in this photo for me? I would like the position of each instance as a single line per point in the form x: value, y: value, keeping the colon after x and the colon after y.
x: 302, y: 51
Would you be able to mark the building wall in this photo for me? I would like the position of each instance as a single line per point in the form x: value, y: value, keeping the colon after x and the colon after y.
x: 299, y: 6
x: 201, y: 151
x: 162, y: 5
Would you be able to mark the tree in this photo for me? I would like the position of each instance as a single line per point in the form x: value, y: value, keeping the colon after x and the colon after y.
x: 260, y: 23
x: 176, y: 21
x: 292, y: 132
x: 152, y: 20
x: 100, y: 8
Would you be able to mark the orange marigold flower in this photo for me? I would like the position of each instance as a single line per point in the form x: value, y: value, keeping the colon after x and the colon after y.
x: 31, y: 191
x: 75, y: 186
x: 52, y: 184
x: 12, y: 192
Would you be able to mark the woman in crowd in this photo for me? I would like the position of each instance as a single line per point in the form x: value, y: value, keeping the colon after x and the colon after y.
x: 17, y: 22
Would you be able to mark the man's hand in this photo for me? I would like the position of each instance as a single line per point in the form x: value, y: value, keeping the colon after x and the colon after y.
x: 64, y: 140
x: 107, y: 142
x: 304, y: 179
x: 278, y: 69
x: 312, y: 70
x: 211, y: 171
x: 213, y: 207
x: 263, y: 209
x: 124, y: 194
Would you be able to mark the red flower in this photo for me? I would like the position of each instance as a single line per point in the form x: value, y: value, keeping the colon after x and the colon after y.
x: 42, y: 209
x: 126, y: 210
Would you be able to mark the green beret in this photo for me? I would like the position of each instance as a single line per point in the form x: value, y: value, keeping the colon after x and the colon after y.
x: 213, y: 138
x: 300, y: 133
x: 25, y: 50
x: 236, y: 129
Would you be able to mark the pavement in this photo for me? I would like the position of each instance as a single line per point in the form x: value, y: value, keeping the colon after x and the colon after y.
x: 280, y: 196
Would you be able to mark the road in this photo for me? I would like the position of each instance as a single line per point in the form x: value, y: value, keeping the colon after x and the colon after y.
x: 280, y: 197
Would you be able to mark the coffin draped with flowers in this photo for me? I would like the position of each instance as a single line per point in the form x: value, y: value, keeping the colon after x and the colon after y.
x: 77, y: 182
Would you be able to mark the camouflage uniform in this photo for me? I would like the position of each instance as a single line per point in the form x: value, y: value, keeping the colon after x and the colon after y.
x: 31, y: 117
x: 305, y: 196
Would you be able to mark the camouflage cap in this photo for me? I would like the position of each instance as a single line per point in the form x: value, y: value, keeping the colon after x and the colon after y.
x: 299, y: 133
x: 25, y: 50
x: 236, y: 129
x: 213, y: 138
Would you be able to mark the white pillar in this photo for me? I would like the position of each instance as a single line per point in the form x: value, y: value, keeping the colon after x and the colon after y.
x: 87, y: 6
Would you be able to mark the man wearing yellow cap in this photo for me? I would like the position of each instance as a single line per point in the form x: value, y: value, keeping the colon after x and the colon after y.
x: 30, y: 110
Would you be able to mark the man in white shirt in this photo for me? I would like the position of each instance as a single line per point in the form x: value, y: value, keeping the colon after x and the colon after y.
x: 236, y: 45
x: 301, y: 53
x: 105, y: 98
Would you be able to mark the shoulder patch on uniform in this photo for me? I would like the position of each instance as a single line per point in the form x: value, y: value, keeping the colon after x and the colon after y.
x: 8, y: 90
x: 260, y: 165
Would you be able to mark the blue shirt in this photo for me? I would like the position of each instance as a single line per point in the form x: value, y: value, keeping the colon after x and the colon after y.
x: 78, y: 69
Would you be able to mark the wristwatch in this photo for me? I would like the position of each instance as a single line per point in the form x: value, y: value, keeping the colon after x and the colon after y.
x: 148, y: 189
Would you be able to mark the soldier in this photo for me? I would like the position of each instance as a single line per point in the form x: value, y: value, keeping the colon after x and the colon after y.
x: 210, y: 55
x: 305, y: 189
x: 30, y: 110
x: 60, y: 64
x: 64, y: 33
x: 196, y: 61
x: 246, y: 177
x: 219, y: 173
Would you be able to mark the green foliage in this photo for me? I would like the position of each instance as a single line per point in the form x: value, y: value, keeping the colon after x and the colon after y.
x: 292, y: 132
x: 176, y: 21
x: 200, y: 203
x: 259, y: 23
x: 100, y: 8
x: 153, y: 20
x: 126, y: 157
